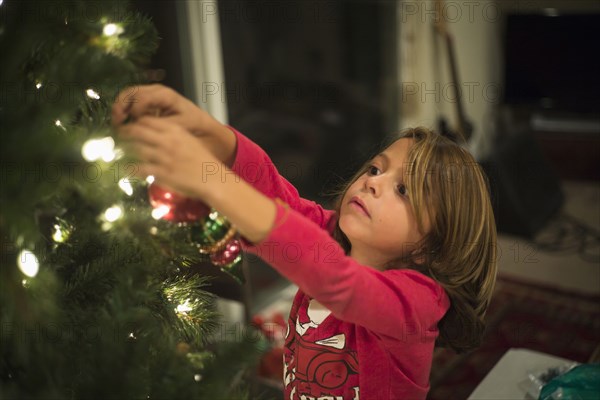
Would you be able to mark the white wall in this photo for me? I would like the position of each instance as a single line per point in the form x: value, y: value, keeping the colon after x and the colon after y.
x: 477, y: 28
x: 425, y: 69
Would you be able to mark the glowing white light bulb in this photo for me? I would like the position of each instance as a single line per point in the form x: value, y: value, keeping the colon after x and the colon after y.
x: 90, y: 150
x: 59, y: 124
x: 197, y: 377
x: 184, y: 308
x: 160, y: 212
x: 113, y: 213
x: 108, y: 156
x: 112, y: 29
x: 95, y: 149
x: 92, y: 94
x: 107, y: 147
x: 38, y: 85
x: 28, y: 263
x: 109, y: 29
x: 125, y: 186
x: 150, y: 179
x: 58, y: 236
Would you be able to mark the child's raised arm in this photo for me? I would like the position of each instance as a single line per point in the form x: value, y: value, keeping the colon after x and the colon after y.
x: 229, y: 146
x: 179, y: 162
x: 160, y: 101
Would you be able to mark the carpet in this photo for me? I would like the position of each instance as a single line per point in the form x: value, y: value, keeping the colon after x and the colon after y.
x: 522, y: 315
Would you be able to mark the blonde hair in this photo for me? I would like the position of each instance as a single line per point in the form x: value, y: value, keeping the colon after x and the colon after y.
x: 445, y: 183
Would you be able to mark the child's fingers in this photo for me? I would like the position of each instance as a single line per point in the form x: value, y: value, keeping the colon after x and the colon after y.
x: 122, y: 105
x: 143, y: 153
x: 147, y: 154
x: 119, y: 111
x: 159, y: 124
x: 140, y: 133
x: 136, y: 101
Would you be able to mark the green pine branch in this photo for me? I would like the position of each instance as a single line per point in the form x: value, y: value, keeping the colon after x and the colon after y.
x: 113, y: 310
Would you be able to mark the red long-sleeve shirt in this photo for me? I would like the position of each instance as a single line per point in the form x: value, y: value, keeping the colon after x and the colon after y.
x: 353, y: 331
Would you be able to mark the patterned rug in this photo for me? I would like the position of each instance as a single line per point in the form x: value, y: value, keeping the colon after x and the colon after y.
x: 521, y: 315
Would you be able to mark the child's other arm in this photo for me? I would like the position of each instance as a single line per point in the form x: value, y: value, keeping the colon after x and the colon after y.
x: 394, y: 303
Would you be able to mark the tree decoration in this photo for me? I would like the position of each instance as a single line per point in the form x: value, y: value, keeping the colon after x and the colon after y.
x: 210, y: 231
x: 176, y: 208
x: 96, y: 303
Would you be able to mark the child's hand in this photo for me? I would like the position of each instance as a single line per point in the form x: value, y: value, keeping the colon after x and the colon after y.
x: 159, y: 101
x: 177, y: 160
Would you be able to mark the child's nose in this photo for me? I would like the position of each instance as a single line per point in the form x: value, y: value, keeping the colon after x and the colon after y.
x: 373, y: 186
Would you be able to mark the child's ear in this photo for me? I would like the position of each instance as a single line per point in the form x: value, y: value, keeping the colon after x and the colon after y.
x: 420, y: 260
x: 420, y: 256
x: 411, y: 253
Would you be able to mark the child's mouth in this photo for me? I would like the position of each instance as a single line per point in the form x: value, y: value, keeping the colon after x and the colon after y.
x: 358, y: 204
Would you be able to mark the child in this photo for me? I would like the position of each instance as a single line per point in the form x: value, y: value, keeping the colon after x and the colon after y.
x: 407, y: 257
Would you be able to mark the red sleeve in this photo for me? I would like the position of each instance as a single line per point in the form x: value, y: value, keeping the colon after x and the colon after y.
x: 390, y: 303
x: 254, y: 166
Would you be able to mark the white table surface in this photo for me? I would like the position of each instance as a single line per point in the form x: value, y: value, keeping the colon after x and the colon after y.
x: 502, y: 381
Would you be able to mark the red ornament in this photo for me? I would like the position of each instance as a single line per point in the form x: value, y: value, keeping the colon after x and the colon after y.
x: 228, y: 255
x: 181, y: 209
x: 225, y: 252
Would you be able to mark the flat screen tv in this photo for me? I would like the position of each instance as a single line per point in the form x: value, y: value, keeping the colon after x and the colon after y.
x: 552, y: 62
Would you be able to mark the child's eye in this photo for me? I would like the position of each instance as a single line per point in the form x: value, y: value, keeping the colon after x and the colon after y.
x: 373, y: 170
x: 402, y: 190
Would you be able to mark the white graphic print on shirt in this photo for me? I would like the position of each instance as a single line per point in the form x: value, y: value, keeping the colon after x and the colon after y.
x: 317, y: 367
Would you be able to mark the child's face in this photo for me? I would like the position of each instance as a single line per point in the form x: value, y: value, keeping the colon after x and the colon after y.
x: 384, y: 227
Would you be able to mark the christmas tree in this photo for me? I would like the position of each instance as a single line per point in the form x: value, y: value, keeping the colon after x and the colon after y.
x: 97, y: 297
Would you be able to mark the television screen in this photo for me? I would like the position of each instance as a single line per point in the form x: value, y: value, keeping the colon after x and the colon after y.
x: 552, y: 62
